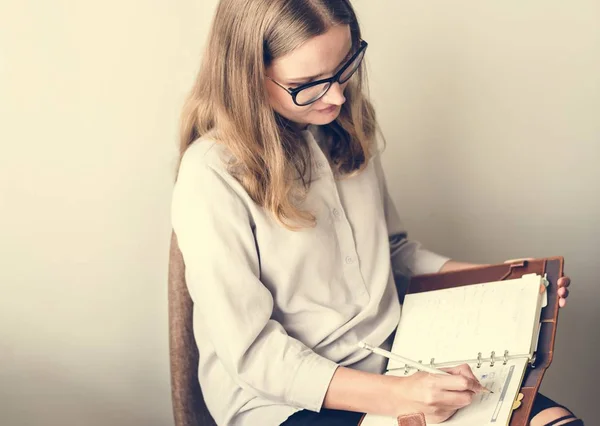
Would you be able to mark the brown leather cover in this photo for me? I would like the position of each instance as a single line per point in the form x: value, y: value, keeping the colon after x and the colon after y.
x: 553, y: 269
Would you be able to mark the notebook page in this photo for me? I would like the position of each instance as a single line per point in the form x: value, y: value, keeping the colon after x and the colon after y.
x: 486, y: 408
x: 455, y: 324
x: 492, y: 408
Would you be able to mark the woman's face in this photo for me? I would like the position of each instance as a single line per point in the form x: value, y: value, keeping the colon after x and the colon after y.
x: 318, y: 58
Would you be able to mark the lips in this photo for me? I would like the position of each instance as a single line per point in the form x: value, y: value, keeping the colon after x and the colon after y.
x: 328, y: 109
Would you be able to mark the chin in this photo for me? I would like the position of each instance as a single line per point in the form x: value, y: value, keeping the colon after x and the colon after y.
x: 315, y: 118
x: 322, y: 122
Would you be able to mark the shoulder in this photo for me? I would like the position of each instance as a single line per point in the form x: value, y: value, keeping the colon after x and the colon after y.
x: 204, y: 157
x: 205, y: 152
x: 206, y: 197
x: 203, y: 172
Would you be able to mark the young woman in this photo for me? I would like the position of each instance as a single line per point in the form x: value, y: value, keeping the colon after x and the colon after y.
x: 291, y: 242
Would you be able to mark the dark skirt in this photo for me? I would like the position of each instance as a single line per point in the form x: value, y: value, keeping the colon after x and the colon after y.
x: 348, y: 418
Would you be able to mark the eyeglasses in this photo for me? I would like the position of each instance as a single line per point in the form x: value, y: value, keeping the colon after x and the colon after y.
x: 309, y: 93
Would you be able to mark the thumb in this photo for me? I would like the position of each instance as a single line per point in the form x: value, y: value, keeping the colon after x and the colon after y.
x: 465, y: 371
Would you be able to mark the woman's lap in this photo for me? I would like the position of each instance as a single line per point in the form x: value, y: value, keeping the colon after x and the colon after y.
x: 325, y: 417
x: 347, y: 418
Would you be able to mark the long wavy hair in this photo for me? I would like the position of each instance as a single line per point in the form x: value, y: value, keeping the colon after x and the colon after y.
x: 229, y: 99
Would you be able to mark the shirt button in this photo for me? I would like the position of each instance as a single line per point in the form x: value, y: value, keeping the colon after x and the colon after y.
x: 320, y: 165
x: 348, y: 260
x: 336, y: 213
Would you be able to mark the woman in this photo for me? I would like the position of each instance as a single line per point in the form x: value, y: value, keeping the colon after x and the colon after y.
x: 291, y: 242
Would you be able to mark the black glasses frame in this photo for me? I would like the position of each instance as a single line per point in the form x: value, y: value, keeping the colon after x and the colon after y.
x: 332, y: 80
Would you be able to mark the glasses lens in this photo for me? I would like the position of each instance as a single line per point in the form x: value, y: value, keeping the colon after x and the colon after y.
x: 349, y: 72
x: 311, y: 94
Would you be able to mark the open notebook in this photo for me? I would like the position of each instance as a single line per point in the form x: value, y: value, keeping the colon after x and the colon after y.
x: 494, y: 327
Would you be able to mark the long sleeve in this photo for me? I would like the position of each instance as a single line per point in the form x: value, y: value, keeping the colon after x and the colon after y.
x: 215, y: 234
x: 408, y: 257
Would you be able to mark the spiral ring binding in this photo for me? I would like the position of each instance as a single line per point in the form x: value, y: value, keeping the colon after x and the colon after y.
x: 406, y: 367
x: 493, y: 359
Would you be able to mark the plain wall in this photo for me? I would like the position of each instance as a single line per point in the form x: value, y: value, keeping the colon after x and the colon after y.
x: 491, y: 111
x: 492, y: 116
x: 90, y: 98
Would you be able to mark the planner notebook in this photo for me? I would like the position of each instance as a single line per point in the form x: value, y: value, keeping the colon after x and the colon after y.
x: 492, y: 326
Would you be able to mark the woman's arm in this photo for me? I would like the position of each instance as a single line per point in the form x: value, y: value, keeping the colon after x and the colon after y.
x: 232, y: 306
x: 355, y: 390
x: 436, y: 396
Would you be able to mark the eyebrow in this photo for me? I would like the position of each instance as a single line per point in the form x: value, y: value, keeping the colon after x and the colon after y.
x: 314, y: 77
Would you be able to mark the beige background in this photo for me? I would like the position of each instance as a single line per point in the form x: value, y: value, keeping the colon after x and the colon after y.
x: 492, y: 116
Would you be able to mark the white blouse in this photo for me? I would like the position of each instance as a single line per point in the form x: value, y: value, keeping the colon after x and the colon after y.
x: 276, y: 311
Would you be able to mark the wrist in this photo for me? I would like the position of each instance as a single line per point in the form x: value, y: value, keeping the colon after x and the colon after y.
x: 399, y: 396
x: 390, y: 397
x: 354, y: 390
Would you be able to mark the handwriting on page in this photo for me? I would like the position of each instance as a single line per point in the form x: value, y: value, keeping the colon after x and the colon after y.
x: 457, y: 323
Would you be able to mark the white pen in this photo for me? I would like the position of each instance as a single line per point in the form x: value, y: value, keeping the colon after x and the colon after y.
x: 409, y: 362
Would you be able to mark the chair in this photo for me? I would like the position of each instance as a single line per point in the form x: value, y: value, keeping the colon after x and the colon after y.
x: 189, y: 408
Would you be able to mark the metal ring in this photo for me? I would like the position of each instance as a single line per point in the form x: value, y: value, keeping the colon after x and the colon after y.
x: 479, y: 360
x: 492, y: 360
x: 505, y: 357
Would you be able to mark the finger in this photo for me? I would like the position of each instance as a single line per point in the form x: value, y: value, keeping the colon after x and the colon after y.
x: 459, y: 382
x: 562, y: 303
x: 563, y: 292
x: 452, y: 400
x: 465, y: 370
x: 564, y: 282
x: 462, y: 369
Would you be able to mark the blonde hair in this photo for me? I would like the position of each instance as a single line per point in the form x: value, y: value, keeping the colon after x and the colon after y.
x: 229, y: 96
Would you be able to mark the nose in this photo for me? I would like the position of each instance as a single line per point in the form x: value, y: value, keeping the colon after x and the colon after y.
x: 335, y: 95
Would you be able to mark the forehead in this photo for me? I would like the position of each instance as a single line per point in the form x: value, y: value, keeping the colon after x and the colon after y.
x: 319, y: 55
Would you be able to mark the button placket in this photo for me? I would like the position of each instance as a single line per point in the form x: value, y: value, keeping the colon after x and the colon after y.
x: 343, y: 229
x: 319, y: 162
x: 348, y: 249
x: 336, y: 213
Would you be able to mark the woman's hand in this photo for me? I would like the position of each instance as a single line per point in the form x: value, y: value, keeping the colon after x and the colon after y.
x: 563, y: 284
x: 437, y: 396
x: 563, y: 291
